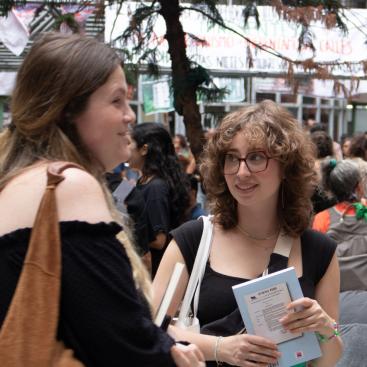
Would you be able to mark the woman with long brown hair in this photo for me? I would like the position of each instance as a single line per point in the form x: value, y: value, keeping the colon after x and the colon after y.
x: 70, y: 104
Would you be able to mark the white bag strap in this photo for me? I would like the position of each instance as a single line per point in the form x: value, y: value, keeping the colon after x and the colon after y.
x: 282, y: 247
x: 197, y: 273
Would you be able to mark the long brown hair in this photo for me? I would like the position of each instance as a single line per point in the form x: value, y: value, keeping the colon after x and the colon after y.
x: 272, y: 126
x: 53, y: 86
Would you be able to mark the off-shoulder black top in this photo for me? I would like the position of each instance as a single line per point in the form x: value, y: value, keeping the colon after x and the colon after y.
x: 103, y: 318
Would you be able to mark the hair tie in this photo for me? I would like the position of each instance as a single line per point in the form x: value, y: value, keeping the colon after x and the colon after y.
x: 332, y: 163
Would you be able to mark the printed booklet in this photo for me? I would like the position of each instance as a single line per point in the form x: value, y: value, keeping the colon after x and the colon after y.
x: 262, y: 302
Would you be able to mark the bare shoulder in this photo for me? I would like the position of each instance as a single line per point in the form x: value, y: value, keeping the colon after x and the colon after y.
x: 81, y: 197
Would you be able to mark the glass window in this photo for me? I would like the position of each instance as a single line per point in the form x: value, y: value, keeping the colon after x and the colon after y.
x: 288, y: 98
x: 309, y: 100
x: 293, y: 111
x: 308, y: 114
x: 212, y: 116
x: 324, y: 117
x: 261, y: 96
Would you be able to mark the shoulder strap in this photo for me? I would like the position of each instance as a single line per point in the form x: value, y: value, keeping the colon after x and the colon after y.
x: 197, y: 273
x: 28, y: 333
x: 280, y: 255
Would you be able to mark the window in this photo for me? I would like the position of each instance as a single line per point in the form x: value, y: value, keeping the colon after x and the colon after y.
x: 261, y: 96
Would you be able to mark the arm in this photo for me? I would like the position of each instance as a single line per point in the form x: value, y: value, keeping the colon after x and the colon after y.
x: 157, y: 210
x: 159, y: 241
x: 318, y: 314
x: 191, y: 165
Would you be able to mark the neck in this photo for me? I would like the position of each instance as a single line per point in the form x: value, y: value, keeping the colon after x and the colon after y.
x: 261, y: 224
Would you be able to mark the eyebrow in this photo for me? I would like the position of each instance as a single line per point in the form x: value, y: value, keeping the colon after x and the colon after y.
x: 119, y: 90
x: 251, y: 150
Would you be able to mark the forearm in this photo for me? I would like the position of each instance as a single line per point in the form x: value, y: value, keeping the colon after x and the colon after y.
x: 206, y: 343
x: 331, y: 353
x: 191, y: 167
x: 331, y: 346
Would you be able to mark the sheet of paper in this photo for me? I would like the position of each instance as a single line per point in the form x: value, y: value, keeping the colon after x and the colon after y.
x: 266, y: 307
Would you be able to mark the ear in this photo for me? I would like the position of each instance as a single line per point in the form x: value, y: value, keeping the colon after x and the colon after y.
x: 144, y: 150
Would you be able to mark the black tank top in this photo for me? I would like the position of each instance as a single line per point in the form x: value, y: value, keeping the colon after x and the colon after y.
x: 216, y: 295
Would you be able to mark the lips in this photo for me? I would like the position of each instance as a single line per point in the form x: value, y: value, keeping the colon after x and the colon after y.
x: 247, y: 187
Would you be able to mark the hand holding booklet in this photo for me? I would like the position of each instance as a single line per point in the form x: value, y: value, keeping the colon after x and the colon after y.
x: 262, y: 302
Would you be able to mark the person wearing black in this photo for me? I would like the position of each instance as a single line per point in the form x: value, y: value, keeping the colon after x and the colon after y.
x: 69, y: 104
x: 258, y: 172
x: 321, y: 199
x: 131, y: 203
x: 164, y: 185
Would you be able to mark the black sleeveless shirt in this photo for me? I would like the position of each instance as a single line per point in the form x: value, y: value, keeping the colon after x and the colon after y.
x: 216, y: 295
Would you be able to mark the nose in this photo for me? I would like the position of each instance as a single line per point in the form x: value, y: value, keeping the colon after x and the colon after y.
x: 243, y: 169
x: 129, y: 115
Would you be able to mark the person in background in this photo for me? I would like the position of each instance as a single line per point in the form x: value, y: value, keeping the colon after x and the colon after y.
x: 337, y: 150
x: 321, y: 199
x: 195, y: 209
x: 346, y: 221
x: 69, y: 104
x: 258, y: 171
x: 344, y: 181
x: 345, y: 142
x: 184, y: 154
x: 131, y: 204
x: 358, y: 153
x: 163, y: 184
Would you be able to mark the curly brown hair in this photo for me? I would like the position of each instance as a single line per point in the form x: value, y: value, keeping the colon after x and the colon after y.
x: 272, y: 126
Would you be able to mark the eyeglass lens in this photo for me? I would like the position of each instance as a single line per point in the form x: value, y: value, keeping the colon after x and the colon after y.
x: 255, y: 162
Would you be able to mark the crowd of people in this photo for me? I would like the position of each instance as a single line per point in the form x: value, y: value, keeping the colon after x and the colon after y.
x: 128, y: 212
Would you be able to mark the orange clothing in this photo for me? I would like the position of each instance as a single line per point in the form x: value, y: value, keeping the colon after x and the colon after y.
x: 321, y: 221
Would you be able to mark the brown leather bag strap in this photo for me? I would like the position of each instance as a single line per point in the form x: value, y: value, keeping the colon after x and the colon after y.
x: 28, y: 333
x: 46, y: 230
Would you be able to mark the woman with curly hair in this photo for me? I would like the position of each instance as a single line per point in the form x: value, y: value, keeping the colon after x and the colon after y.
x: 258, y: 172
x: 163, y: 184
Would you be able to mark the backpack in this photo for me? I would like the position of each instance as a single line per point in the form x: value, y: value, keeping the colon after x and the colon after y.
x: 350, y: 235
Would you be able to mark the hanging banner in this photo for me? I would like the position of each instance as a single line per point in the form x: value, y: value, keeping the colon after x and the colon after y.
x: 13, y: 33
x: 228, y: 51
x: 7, y: 82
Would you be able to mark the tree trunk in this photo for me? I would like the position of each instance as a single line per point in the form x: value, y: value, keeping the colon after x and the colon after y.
x: 184, y: 95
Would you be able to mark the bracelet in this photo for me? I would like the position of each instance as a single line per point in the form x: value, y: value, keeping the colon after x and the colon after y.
x: 324, y: 338
x: 216, y: 350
